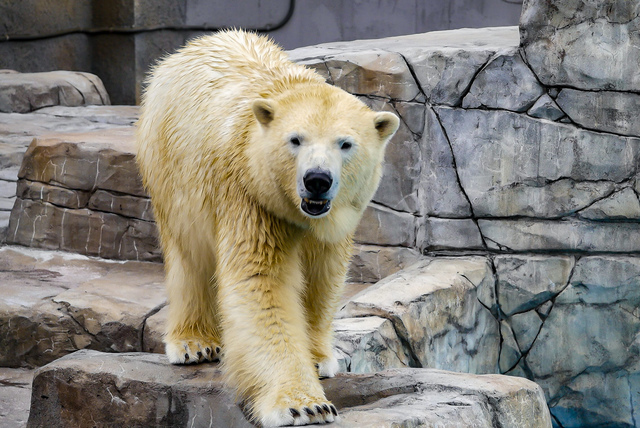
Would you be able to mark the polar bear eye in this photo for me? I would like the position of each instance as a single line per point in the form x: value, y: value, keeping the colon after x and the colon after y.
x: 295, y: 141
x: 345, y: 145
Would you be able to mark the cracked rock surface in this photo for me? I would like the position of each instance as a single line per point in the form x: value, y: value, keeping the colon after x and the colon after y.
x: 89, y: 388
x: 54, y: 303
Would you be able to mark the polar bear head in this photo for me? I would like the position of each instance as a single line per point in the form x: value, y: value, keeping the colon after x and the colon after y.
x: 323, y: 149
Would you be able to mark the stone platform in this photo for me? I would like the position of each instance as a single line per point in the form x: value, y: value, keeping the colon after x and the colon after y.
x: 89, y: 388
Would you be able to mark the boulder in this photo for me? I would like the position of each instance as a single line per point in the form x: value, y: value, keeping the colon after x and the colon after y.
x: 368, y: 345
x: 449, y: 234
x: 18, y: 130
x: 25, y: 92
x: 440, y: 189
x: 435, y: 307
x: 440, y: 64
x: 622, y: 205
x: 133, y: 389
x: 384, y: 226
x: 81, y: 192
x: 527, y: 282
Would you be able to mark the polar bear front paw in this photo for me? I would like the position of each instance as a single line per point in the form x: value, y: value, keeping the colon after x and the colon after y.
x: 192, y: 351
x: 301, y: 414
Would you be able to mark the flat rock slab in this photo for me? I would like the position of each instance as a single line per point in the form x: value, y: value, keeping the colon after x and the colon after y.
x: 54, y: 303
x: 90, y: 388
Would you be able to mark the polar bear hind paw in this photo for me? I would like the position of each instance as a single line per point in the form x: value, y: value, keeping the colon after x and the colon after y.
x: 319, y: 413
x: 328, y: 367
x: 192, y: 351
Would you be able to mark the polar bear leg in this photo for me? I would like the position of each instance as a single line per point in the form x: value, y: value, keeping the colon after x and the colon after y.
x: 192, y: 333
x: 266, y: 343
x: 325, y: 269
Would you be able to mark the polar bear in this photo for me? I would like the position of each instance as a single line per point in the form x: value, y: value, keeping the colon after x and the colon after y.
x: 258, y: 173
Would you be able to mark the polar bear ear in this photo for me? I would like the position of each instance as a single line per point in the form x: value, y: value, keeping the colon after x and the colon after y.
x: 264, y: 111
x: 386, y: 124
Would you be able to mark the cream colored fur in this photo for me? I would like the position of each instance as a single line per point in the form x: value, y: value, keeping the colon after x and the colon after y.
x: 247, y: 270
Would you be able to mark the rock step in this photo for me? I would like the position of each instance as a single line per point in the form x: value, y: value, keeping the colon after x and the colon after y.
x: 18, y: 130
x: 90, y: 388
x: 53, y: 303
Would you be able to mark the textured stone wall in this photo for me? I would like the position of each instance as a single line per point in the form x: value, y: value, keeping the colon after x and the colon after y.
x: 119, y: 40
x: 520, y: 148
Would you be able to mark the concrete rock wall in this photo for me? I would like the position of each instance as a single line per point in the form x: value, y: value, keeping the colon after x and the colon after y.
x: 519, y: 147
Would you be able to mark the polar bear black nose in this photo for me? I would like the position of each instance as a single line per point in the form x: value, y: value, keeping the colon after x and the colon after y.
x: 317, y: 181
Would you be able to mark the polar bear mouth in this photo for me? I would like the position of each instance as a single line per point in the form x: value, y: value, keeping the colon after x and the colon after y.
x: 315, y: 207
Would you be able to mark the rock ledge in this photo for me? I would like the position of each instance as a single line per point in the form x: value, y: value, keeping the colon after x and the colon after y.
x: 90, y: 388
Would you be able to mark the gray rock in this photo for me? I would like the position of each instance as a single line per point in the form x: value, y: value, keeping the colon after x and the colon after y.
x: 505, y: 83
x: 622, y: 205
x: 604, y: 280
x: 445, y: 62
x: 95, y: 115
x: 4, y: 225
x: 449, y: 234
x: 445, y: 74
x: 54, y: 303
x: 116, y: 321
x: 15, y: 396
x: 17, y: 130
x: 440, y: 188
x: 563, y: 42
x: 588, y: 347
x: 603, y: 110
x: 373, y: 72
x: 525, y: 327
x: 370, y: 343
x: 545, y: 108
x: 435, y: 309
x: 144, y: 389
x: 412, y: 114
x: 526, y: 282
x: 383, y: 226
x: 316, y: 64
x: 608, y: 395
x: 153, y: 331
x: 55, y: 195
x: 569, y: 234
x: 504, y: 177
x: 372, y: 263
x: 24, y: 92
x: 510, y: 352
x: 402, y: 166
